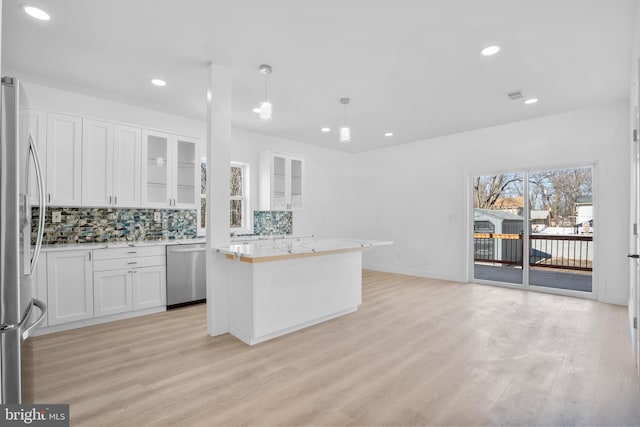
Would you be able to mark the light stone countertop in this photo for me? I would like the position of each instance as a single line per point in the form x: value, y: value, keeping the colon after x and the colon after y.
x: 105, y: 245
x: 296, y: 246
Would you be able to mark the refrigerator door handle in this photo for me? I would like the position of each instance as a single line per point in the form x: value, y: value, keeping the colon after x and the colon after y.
x: 43, y: 311
x: 33, y: 150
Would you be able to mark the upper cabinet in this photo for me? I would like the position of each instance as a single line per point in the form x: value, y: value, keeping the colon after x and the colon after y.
x: 170, y: 170
x: 97, y: 163
x: 64, y: 159
x: 111, y: 164
x: 281, y: 181
x: 127, y: 165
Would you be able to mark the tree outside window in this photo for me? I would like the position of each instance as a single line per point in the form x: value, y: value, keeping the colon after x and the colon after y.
x: 238, y: 196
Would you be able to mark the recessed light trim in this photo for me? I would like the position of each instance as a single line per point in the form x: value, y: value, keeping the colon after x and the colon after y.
x: 490, y: 50
x: 388, y: 134
x: 158, y: 82
x: 34, y: 12
x: 531, y: 101
x: 325, y: 129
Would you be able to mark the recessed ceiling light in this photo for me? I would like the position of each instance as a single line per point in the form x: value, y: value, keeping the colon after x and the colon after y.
x: 490, y: 50
x: 531, y: 101
x: 388, y: 134
x: 326, y: 129
x: 158, y: 82
x: 34, y: 12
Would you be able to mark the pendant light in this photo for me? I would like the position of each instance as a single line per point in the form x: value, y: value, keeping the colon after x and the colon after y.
x: 265, y: 108
x: 345, y: 132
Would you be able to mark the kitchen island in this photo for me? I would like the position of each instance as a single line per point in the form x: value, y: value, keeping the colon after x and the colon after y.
x: 278, y: 286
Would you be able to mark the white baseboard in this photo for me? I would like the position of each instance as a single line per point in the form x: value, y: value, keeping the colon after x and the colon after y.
x: 415, y: 272
x: 96, y: 321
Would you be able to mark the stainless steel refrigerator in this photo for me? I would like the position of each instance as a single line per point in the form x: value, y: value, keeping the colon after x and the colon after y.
x: 19, y: 311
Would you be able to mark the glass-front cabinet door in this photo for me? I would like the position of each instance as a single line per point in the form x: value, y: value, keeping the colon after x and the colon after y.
x: 296, y: 184
x: 156, y: 183
x: 279, y: 195
x: 170, y: 175
x: 187, y: 173
x: 281, y: 181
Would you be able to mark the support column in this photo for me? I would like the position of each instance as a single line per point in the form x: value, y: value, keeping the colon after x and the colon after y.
x: 218, y: 217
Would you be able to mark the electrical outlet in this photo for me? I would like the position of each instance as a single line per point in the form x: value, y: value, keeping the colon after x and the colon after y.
x: 157, y: 216
x: 56, y: 216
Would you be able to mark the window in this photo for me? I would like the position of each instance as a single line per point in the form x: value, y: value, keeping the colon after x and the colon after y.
x: 203, y: 197
x: 238, y: 196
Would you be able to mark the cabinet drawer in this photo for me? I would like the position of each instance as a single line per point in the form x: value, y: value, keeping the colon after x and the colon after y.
x: 128, y: 252
x: 133, y: 262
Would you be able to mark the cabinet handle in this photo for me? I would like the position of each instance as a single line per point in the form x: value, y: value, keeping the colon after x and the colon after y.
x: 110, y: 200
x: 89, y: 255
x: 132, y: 263
x: 48, y: 197
x: 115, y: 200
x: 132, y: 252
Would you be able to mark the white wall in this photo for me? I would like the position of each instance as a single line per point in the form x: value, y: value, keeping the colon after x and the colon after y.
x: 417, y: 194
x: 328, y: 173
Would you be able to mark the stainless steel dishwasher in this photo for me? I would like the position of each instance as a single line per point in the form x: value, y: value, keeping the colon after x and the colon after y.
x: 186, y: 275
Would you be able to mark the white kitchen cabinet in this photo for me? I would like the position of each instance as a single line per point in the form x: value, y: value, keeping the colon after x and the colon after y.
x: 39, y: 283
x: 149, y: 287
x: 110, y: 164
x: 130, y: 278
x: 97, y: 162
x: 112, y: 291
x: 281, y: 181
x: 127, y: 151
x: 34, y: 122
x: 170, y: 171
x: 64, y: 159
x: 69, y: 286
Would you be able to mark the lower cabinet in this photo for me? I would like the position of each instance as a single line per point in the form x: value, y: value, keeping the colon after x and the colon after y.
x: 39, y: 284
x: 80, y: 285
x: 149, y: 287
x: 69, y: 286
x: 129, y: 279
x: 112, y: 292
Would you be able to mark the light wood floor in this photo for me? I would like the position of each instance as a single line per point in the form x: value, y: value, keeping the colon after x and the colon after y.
x: 417, y: 352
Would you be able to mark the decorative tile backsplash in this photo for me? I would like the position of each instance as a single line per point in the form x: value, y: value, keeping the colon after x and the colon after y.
x: 272, y: 222
x: 81, y: 225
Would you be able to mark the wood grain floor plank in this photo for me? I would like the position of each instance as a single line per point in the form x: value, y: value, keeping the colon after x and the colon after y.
x: 417, y: 352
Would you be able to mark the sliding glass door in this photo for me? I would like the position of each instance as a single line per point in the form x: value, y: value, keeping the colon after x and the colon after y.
x: 535, y: 228
x: 498, y: 227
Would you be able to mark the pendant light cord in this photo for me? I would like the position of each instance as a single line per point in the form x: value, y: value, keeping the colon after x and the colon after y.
x: 345, y: 115
x: 265, y: 87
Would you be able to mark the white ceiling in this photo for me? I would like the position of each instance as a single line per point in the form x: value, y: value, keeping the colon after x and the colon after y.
x: 412, y: 67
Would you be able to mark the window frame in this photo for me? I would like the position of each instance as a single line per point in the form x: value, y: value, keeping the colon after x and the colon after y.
x: 246, y: 211
x: 246, y: 222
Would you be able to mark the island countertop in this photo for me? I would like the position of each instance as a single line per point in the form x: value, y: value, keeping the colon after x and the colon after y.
x: 278, y: 249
